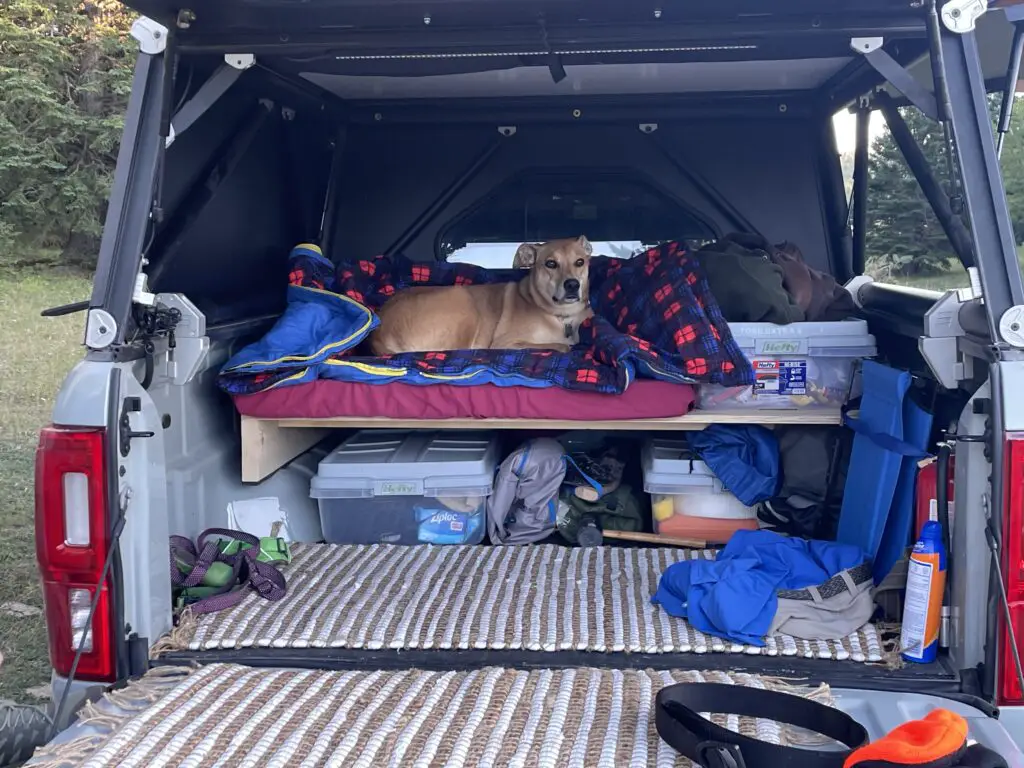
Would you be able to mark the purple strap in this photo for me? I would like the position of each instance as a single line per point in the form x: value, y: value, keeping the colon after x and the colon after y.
x: 267, y: 580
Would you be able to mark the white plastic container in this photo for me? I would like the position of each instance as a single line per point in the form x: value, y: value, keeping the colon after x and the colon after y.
x: 800, y: 365
x: 687, y: 500
x: 398, y: 487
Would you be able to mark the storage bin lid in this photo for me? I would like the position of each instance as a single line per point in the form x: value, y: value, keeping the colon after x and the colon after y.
x: 401, y: 463
x: 846, y: 338
x: 670, y: 467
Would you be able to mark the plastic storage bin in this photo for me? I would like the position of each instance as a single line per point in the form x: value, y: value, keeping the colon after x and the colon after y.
x: 687, y: 500
x: 397, y: 487
x: 799, y: 365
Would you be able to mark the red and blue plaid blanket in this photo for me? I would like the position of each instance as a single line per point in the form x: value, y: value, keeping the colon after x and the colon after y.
x: 655, y: 317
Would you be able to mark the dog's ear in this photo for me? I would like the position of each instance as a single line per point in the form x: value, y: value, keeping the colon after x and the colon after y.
x: 585, y: 245
x: 526, y: 255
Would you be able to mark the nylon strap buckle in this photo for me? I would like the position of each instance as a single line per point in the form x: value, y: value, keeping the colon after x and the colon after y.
x: 715, y: 754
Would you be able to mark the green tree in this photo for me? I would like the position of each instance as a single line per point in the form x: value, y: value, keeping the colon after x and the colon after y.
x: 1012, y: 165
x: 65, y: 74
x: 904, y: 236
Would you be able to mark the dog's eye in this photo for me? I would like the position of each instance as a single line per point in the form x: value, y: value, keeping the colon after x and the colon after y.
x: 579, y: 262
x: 551, y: 264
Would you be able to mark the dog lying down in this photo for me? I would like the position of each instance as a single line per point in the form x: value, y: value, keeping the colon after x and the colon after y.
x: 544, y: 310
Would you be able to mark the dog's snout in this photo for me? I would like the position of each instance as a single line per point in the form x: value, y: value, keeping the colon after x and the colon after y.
x: 572, y: 285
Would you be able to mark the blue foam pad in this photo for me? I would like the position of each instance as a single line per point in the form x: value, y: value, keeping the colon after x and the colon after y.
x: 874, y: 470
x: 917, y: 428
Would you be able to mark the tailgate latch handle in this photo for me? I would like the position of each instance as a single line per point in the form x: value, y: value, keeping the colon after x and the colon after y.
x: 131, y: 405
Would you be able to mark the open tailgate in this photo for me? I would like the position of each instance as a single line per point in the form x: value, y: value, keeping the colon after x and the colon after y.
x: 490, y: 716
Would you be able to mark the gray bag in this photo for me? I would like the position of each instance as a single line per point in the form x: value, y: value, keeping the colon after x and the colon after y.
x: 524, y: 504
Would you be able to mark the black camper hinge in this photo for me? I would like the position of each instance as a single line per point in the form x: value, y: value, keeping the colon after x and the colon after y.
x: 874, y: 53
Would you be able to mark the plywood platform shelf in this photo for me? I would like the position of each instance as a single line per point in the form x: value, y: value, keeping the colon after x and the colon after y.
x: 269, y: 444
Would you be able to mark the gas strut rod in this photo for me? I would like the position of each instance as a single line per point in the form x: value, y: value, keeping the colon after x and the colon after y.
x: 1010, y: 86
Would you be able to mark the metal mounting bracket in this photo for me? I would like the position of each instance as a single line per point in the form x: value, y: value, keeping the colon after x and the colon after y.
x: 192, y: 345
x: 900, y: 79
x: 940, y: 344
x: 151, y: 35
x: 242, y: 61
x: 960, y: 16
x: 141, y: 294
x: 100, y: 329
x: 866, y: 44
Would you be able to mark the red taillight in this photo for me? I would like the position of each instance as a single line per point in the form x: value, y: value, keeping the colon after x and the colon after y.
x: 1013, y: 570
x: 72, y: 542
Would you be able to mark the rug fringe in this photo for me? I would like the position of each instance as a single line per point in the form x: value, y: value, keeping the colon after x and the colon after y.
x: 794, y: 735
x: 134, y: 698
x: 70, y: 753
x: 889, y: 632
x: 179, y: 638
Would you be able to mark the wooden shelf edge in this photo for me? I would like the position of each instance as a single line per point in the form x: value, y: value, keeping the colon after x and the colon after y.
x: 695, y: 420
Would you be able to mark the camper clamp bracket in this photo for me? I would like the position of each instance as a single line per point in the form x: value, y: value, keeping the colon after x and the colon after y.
x: 240, y: 61
x: 940, y: 344
x: 150, y: 35
x: 871, y: 48
x: 1011, y: 327
x: 960, y: 16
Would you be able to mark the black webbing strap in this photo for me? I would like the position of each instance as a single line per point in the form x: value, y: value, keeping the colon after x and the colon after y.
x: 712, y: 746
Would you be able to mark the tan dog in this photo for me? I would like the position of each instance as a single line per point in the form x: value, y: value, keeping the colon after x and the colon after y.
x: 542, y: 311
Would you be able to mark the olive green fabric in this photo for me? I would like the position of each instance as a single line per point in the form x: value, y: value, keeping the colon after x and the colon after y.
x: 619, y: 510
x: 755, y: 281
x: 749, y: 287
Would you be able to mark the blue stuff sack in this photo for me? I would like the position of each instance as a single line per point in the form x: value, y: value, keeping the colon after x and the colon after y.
x: 745, y: 458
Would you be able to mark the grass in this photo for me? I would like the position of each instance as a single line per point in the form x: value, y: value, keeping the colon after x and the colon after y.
x: 955, y: 277
x: 943, y: 282
x: 36, y: 353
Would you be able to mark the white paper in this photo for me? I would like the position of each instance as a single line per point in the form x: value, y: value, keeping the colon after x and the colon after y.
x: 259, y: 517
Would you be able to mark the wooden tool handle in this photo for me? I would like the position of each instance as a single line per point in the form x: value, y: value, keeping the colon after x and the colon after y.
x: 654, y: 538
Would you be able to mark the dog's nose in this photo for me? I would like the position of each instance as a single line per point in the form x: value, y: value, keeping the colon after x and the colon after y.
x: 572, y: 286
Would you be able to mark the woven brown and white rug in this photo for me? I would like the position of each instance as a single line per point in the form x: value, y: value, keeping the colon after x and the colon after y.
x: 228, y: 715
x: 537, y: 598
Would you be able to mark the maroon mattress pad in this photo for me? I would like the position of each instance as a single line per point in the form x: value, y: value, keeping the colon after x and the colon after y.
x: 326, y: 398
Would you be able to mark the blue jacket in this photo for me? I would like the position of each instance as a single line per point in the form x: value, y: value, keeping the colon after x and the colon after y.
x: 735, y: 595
